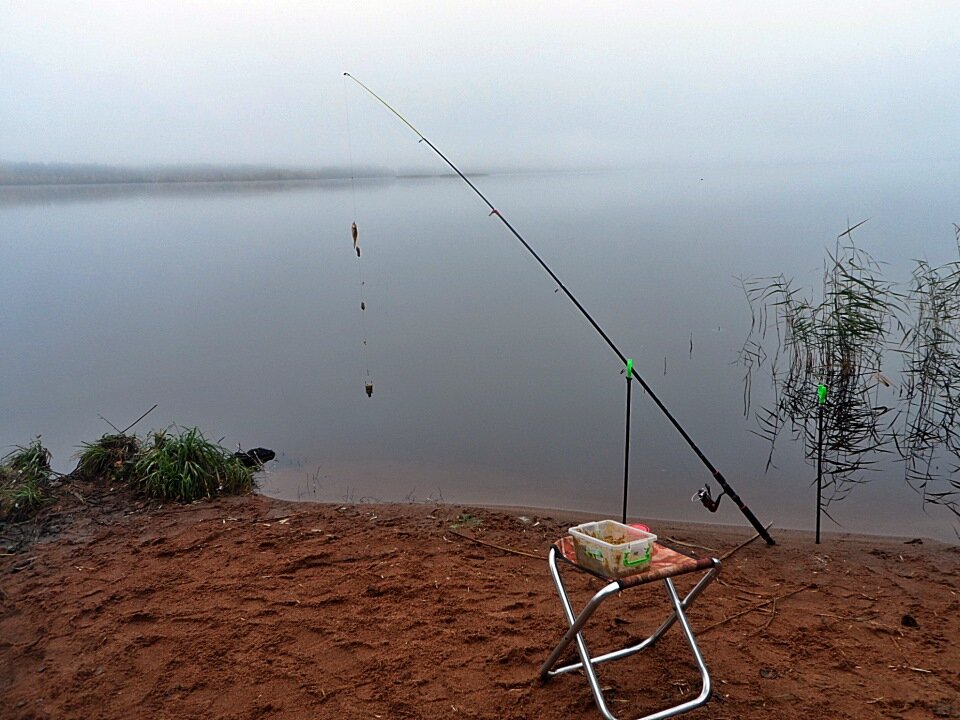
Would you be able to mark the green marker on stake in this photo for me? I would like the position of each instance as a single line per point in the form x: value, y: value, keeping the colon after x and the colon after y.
x: 822, y: 394
x: 629, y: 368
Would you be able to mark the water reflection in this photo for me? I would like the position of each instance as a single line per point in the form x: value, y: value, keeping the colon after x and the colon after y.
x: 236, y: 309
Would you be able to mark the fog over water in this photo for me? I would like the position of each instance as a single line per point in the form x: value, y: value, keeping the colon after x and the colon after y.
x: 504, y: 83
x: 697, y: 142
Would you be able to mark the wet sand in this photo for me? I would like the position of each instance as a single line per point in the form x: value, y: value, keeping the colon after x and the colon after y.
x: 253, y: 607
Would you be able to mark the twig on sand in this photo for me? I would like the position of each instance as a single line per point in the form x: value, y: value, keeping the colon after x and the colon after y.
x: 758, y: 607
x: 773, y: 614
x: 907, y: 667
x: 498, y: 547
x: 743, y: 544
x: 674, y: 541
x: 738, y: 588
x: 23, y: 564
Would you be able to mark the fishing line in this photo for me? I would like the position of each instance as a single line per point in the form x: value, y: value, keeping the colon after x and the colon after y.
x: 365, y: 376
x: 727, y: 490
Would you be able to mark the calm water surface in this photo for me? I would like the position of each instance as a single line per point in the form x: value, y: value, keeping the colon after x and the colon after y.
x: 237, y: 309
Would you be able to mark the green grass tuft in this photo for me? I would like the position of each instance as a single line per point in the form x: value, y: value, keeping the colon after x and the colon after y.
x: 24, y: 480
x: 187, y: 466
x: 110, y: 458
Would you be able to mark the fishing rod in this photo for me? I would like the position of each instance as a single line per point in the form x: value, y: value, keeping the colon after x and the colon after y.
x: 704, y: 494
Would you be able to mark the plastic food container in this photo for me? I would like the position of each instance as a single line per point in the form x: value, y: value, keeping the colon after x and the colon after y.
x: 612, y: 548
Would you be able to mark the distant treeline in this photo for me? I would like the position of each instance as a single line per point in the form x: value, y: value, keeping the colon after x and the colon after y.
x: 20, y: 173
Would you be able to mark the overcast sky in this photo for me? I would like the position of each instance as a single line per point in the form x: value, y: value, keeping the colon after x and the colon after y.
x: 491, y: 83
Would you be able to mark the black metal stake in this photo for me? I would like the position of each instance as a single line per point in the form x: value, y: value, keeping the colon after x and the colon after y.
x: 819, y: 466
x: 626, y: 448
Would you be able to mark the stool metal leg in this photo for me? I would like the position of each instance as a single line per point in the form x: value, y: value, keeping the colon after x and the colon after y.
x: 657, y: 634
x: 706, y: 688
x: 576, y: 623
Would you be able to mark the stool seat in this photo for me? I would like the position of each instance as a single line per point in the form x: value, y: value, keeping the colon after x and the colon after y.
x: 666, y: 562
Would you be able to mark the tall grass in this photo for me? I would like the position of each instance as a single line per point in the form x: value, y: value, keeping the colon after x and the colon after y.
x: 110, y: 458
x: 186, y: 466
x: 24, y: 479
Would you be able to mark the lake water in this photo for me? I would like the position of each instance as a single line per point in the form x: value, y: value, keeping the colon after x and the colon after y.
x: 237, y: 309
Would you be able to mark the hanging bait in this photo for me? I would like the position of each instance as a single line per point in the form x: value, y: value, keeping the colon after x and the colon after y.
x: 355, y: 235
x: 368, y: 383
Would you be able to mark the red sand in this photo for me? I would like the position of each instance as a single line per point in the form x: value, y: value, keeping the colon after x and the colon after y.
x: 251, y: 607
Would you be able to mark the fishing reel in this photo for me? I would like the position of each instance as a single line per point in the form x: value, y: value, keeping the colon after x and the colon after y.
x: 705, y: 497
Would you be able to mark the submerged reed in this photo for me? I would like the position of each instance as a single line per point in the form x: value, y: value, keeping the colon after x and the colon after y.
x: 931, y: 388
x: 842, y: 339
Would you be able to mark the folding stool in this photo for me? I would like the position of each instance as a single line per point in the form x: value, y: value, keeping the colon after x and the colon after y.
x: 665, y: 564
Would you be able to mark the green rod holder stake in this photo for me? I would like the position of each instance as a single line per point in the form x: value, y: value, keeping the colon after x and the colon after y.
x: 629, y: 368
x: 822, y: 394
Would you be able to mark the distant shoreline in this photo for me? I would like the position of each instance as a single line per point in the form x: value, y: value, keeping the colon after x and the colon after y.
x: 137, y: 183
x: 31, y: 174
x: 28, y: 174
x: 259, y: 181
x: 19, y: 174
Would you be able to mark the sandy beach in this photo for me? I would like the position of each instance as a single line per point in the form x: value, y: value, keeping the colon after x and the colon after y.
x: 250, y: 607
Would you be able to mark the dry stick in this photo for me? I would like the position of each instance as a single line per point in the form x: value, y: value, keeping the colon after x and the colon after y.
x: 139, y: 419
x: 744, y: 544
x: 686, y: 544
x: 773, y: 614
x: 498, y: 547
x: 756, y: 607
x: 119, y: 431
x: 24, y: 564
x: 738, y: 588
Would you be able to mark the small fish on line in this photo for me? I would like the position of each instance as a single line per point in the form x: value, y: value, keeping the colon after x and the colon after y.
x: 369, y: 388
x: 356, y: 237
